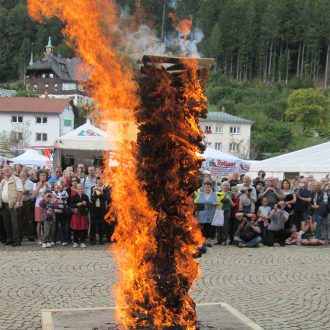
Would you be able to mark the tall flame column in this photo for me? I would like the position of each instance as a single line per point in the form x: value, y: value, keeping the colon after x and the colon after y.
x: 172, y: 101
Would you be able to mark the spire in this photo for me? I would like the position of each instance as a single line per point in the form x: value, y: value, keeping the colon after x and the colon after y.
x: 49, y: 47
x: 31, y: 58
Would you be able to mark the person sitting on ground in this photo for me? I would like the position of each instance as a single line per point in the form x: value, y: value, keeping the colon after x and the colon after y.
x: 309, y: 228
x: 276, y: 231
x: 248, y: 232
x: 295, y: 237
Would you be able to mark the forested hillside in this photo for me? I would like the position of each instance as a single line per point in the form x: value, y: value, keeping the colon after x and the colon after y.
x: 272, y: 59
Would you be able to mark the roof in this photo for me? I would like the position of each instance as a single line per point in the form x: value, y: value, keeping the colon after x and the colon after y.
x: 312, y: 159
x: 64, y: 68
x: 33, y: 104
x: 226, y: 118
x: 85, y: 137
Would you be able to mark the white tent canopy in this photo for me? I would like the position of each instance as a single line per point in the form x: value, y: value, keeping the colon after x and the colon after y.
x: 308, y: 161
x: 222, y: 164
x: 85, y: 137
x: 31, y: 157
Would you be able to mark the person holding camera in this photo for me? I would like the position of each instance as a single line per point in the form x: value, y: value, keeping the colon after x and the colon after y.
x: 48, y: 205
x: 248, y: 232
x: 271, y: 192
x: 309, y: 229
x: 247, y: 189
x: 276, y: 231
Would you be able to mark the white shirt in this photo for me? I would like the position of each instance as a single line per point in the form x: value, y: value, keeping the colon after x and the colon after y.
x: 41, y: 192
x: 28, y: 185
x: 5, y: 192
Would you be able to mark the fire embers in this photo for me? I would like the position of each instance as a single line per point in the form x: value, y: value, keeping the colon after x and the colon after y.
x: 172, y: 100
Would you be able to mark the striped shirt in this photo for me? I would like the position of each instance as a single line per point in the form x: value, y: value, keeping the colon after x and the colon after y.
x: 61, y: 198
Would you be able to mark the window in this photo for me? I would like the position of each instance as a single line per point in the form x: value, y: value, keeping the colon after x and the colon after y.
x: 16, y: 136
x: 209, y: 144
x: 35, y: 87
x: 218, y: 129
x: 46, y: 87
x: 233, y: 146
x: 69, y: 87
x: 41, y: 120
x: 208, y: 129
x: 218, y: 146
x: 67, y: 123
x: 55, y: 87
x: 41, y: 136
x: 17, y: 119
x: 234, y: 130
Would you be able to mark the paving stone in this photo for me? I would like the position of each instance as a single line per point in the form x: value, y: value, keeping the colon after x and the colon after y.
x: 278, y: 288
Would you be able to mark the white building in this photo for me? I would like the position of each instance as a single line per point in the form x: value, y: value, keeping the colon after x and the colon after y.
x: 227, y: 133
x: 32, y: 121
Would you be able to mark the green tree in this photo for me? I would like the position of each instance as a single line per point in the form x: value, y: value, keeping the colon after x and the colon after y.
x: 310, y: 109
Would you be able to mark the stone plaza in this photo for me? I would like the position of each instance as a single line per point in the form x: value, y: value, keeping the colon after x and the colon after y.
x: 277, y: 288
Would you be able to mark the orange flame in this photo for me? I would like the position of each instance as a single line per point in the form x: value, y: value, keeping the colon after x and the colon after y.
x: 92, y: 30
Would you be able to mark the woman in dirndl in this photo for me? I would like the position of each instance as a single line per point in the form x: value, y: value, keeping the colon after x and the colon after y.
x: 79, y: 220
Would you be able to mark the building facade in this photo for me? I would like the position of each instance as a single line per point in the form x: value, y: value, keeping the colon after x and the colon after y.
x: 55, y: 77
x: 227, y: 133
x: 32, y: 121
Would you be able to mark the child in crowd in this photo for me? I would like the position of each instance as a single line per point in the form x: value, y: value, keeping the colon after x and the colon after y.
x: 263, y: 215
x: 295, y: 237
x: 48, y: 205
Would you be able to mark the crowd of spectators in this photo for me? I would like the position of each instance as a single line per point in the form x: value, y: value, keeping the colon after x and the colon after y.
x: 65, y: 208
x: 264, y: 210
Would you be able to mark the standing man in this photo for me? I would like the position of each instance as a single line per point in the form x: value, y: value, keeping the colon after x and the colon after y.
x: 303, y: 199
x: 11, y: 189
x: 271, y: 193
x: 27, y: 210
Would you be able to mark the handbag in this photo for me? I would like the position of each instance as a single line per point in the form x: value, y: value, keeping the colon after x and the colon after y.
x: 218, y: 219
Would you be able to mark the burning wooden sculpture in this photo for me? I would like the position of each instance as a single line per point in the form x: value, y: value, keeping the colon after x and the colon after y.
x: 172, y: 101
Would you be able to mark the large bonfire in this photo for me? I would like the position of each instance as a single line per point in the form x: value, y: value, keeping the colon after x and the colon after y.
x: 156, y: 235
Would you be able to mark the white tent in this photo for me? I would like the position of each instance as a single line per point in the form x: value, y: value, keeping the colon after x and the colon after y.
x: 31, y: 157
x: 85, y: 137
x: 308, y: 161
x: 222, y: 164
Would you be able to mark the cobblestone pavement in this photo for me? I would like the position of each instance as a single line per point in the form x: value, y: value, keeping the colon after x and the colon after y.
x: 278, y: 288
